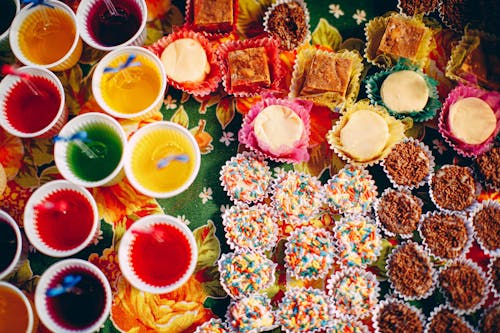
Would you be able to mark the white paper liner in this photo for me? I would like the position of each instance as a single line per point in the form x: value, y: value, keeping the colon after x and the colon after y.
x: 376, y: 208
x: 45, y: 280
x: 269, y: 241
x: 302, y: 4
x: 440, y: 307
x: 382, y: 304
x: 433, y: 272
x: 487, y: 287
x: 347, y: 262
x: 426, y: 179
x: 496, y: 293
x: 495, y: 305
x: 206, y: 326
x: 259, y: 288
x: 262, y: 185
x: 264, y: 301
x: 295, y: 272
x: 30, y: 217
x: 457, y: 215
x: 477, y: 208
x: 468, y: 209
x: 372, y: 299
x: 291, y: 293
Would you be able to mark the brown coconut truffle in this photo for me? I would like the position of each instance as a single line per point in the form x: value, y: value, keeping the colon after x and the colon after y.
x: 410, y: 271
x: 399, y: 212
x: 444, y: 234
x: 495, y: 273
x: 412, y: 7
x: 446, y: 321
x: 487, y: 227
x: 397, y: 317
x: 488, y: 165
x: 463, y: 286
x: 288, y: 22
x: 491, y: 320
x: 453, y: 187
x: 407, y: 164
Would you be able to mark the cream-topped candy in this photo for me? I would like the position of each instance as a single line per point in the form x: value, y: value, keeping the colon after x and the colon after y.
x: 405, y: 91
x: 472, y: 120
x: 185, y: 60
x: 365, y: 135
x: 278, y: 128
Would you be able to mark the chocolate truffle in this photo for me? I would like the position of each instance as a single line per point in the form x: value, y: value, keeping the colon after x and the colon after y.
x: 446, y: 321
x: 407, y: 164
x: 491, y: 320
x: 399, y: 212
x: 453, y: 187
x: 412, y: 7
x: 288, y: 22
x: 397, y: 317
x: 488, y: 165
x: 486, y: 224
x: 495, y: 273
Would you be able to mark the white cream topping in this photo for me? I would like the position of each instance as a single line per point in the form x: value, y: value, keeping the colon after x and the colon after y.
x: 472, y: 120
x: 405, y: 91
x: 185, y: 60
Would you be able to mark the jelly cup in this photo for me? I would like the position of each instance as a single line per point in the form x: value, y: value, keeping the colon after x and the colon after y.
x: 10, y: 230
x: 8, y: 15
x: 16, y: 300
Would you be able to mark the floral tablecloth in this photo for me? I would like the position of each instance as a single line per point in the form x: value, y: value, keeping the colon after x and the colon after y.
x: 214, y: 120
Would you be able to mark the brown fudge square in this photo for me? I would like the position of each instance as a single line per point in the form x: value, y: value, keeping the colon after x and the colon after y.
x: 401, y: 38
x: 249, y: 67
x: 211, y: 12
x: 327, y: 73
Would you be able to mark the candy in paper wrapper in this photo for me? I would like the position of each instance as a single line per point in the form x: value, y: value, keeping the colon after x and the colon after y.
x: 253, y: 314
x: 212, y: 326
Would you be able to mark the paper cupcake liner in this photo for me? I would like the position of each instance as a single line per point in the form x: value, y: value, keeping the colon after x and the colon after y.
x: 303, y: 5
x: 77, y: 124
x: 265, y: 302
x: 126, y: 246
x: 28, y: 14
x: 374, y: 83
x: 477, y: 208
x: 6, y: 88
x: 492, y: 307
x: 482, y: 179
x: 468, y: 227
x: 220, y: 29
x: 259, y: 286
x: 208, y: 327
x: 31, y: 320
x: 21, y: 246
x: 423, y: 251
x: 82, y: 17
x: 314, y: 260
x: 492, y: 98
x: 30, y: 216
x: 310, y: 203
x: 211, y: 81
x: 374, y: 30
x: 468, y: 209
x: 382, y: 304
x: 425, y: 7
x: 332, y: 100
x: 268, y: 241
x: 354, y: 258
x: 377, y: 219
x: 355, y: 326
x: 396, y: 134
x: 487, y: 286
x: 138, y: 139
x: 55, y: 271
x: 154, y: 62
x: 357, y: 192
x: 495, y: 291
x: 293, y: 293
x: 256, y: 184
x: 438, y: 309
x: 247, y: 136
x: 276, y: 68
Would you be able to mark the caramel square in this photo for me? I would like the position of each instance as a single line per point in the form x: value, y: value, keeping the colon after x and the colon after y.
x: 401, y: 38
x: 249, y: 67
x: 327, y: 73
x: 213, y: 12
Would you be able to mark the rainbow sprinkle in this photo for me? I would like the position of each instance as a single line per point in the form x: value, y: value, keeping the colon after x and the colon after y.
x: 297, y: 196
x: 347, y: 327
x: 354, y: 292
x: 252, y: 228
x: 212, y: 326
x: 304, y: 310
x: 309, y: 253
x: 351, y: 191
x: 245, y: 273
x: 246, y: 178
x: 252, y: 314
x: 358, y: 241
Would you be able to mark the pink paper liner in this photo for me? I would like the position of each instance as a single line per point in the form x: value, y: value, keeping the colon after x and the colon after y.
x: 423, y: 251
x: 477, y: 208
x: 266, y: 302
x: 206, y: 326
x: 438, y: 309
x: 496, y: 292
x: 487, y: 286
x: 468, y: 227
x: 221, y: 29
x: 382, y: 304
x: 212, y: 79
x: 246, y: 135
x: 492, y: 98
x: 492, y: 307
x: 276, y: 69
